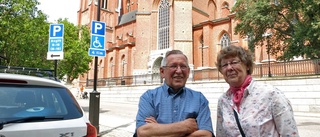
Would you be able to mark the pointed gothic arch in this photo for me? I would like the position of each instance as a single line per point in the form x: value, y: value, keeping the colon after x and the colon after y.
x: 212, y: 9
x: 111, y: 67
x: 225, y: 39
x: 156, y: 3
x: 123, y: 63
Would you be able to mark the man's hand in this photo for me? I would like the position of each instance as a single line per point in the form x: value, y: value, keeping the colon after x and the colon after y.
x: 191, y: 125
x: 178, y: 129
x: 150, y: 119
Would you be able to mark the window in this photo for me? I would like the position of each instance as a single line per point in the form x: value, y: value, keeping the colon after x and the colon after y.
x: 225, y: 40
x: 111, y: 64
x: 104, y: 4
x: 24, y: 101
x: 164, y: 24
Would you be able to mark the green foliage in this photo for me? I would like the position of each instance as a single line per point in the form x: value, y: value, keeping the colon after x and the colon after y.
x: 24, y: 40
x: 76, y: 58
x: 23, y: 28
x: 294, y: 26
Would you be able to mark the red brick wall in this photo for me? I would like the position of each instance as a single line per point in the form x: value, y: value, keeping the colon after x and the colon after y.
x: 137, y: 39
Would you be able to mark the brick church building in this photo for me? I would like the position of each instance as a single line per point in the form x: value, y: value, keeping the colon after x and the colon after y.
x: 139, y: 32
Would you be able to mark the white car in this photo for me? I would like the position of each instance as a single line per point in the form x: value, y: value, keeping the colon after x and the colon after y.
x: 38, y: 107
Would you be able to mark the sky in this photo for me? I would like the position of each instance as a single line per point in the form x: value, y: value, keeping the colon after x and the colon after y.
x: 56, y: 9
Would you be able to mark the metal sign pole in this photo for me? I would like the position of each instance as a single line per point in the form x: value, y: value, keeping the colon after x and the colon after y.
x: 55, y: 69
x: 94, y: 104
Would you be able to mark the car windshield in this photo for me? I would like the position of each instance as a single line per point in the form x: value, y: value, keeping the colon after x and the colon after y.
x: 37, y: 101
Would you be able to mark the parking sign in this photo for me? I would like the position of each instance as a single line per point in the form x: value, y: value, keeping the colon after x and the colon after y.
x: 56, y: 30
x: 97, y: 45
x: 55, y: 47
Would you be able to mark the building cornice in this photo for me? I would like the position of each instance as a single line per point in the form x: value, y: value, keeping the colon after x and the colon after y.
x: 200, y: 11
x: 143, y: 13
x: 212, y: 22
x: 182, y: 40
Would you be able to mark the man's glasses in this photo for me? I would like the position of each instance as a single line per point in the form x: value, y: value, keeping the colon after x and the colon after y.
x: 175, y: 67
x: 232, y: 64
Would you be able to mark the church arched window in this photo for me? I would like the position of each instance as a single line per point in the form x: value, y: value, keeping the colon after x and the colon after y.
x: 164, y: 24
x: 225, y: 40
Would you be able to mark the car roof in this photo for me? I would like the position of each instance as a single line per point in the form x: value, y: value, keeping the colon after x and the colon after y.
x: 38, y: 72
x: 7, y: 78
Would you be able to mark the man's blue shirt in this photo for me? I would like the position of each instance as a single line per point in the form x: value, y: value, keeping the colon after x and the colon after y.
x: 167, y: 107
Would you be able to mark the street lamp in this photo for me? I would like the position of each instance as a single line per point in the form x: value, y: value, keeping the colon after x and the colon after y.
x: 268, y: 51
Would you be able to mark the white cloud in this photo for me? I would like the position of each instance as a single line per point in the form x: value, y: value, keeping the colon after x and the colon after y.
x: 56, y: 9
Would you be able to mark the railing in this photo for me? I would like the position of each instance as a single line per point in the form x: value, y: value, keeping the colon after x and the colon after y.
x: 292, y: 68
x: 277, y: 69
x: 129, y: 80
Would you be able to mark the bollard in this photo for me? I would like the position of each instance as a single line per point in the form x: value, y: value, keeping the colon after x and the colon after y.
x: 94, y: 109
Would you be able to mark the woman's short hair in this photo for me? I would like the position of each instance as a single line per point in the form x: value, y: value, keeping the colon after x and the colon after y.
x: 236, y: 51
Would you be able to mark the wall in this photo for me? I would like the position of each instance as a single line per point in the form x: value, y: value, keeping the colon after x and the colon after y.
x: 303, y: 92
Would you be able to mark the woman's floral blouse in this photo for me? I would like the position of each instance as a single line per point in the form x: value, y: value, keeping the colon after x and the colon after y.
x: 264, y: 112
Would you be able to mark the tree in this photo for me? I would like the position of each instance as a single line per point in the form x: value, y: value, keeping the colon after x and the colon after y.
x: 23, y: 30
x: 24, y: 40
x: 76, y: 45
x: 294, y: 26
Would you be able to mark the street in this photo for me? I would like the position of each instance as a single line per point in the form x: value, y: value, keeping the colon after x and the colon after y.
x: 118, y: 120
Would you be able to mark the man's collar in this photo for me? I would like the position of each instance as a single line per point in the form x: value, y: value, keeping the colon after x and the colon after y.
x: 170, y: 90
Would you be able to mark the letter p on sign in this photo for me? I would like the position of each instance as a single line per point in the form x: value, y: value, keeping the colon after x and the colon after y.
x: 98, y: 28
x: 56, y: 30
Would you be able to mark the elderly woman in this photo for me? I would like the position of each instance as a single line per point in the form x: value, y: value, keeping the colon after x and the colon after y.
x: 249, y: 108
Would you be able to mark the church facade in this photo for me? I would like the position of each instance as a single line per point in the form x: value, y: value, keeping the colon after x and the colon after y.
x: 139, y: 32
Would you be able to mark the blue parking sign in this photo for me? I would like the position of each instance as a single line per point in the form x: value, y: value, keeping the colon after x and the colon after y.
x: 56, y: 30
x: 98, y: 30
x: 56, y: 38
x: 55, y: 44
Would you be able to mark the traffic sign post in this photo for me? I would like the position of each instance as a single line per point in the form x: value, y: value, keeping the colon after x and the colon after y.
x: 96, y: 49
x: 97, y: 44
x: 55, y: 46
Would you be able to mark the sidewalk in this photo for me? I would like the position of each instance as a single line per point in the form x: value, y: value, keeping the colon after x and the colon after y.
x: 115, y: 126
x: 111, y: 124
x: 118, y: 120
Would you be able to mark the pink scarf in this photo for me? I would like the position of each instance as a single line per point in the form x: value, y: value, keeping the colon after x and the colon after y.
x: 238, y: 92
